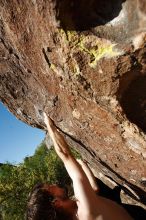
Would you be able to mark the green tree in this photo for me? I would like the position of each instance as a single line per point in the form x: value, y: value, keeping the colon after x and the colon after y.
x: 17, y: 181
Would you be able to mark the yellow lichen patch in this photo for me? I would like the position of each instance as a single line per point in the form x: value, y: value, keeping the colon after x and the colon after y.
x: 63, y: 35
x: 103, y: 51
x: 95, y: 48
x: 70, y: 37
x: 53, y: 67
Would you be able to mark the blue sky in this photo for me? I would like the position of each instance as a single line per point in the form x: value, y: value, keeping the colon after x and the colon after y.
x: 17, y: 139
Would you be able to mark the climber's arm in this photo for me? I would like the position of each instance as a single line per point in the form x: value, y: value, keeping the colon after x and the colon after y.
x: 89, y: 174
x: 84, y: 193
x: 60, y: 145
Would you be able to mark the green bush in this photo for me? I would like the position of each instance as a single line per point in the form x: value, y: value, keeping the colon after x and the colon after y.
x: 16, y: 181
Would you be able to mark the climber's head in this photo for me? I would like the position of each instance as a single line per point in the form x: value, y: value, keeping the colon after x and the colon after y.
x: 50, y: 202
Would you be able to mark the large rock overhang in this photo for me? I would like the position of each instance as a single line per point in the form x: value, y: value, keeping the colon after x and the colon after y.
x: 85, y: 65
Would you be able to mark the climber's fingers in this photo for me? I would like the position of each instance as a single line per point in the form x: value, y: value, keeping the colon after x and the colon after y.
x: 48, y: 121
x: 50, y: 126
x: 53, y: 131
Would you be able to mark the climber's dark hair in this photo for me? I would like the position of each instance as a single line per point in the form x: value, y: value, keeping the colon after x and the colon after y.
x: 40, y: 205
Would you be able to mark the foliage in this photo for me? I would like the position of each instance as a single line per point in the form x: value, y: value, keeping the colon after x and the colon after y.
x: 17, y: 181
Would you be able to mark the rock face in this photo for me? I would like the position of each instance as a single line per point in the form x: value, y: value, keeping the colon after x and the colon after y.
x: 84, y: 63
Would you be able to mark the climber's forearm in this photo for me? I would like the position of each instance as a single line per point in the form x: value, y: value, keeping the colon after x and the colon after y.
x: 89, y: 174
x: 61, y: 147
x: 63, y: 154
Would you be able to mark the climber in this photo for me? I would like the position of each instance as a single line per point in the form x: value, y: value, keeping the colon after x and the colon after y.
x: 48, y: 202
